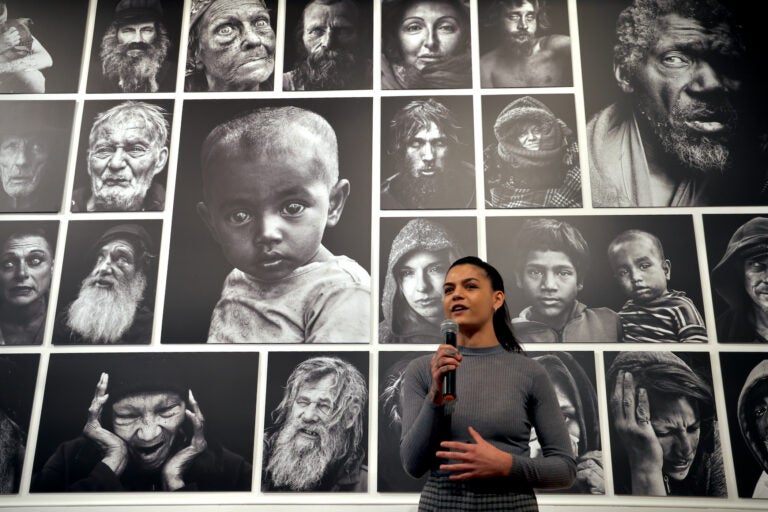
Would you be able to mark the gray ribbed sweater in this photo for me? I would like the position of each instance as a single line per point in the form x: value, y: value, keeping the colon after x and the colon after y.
x: 502, y: 395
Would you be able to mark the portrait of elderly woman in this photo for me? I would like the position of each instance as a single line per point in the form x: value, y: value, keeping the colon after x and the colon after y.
x: 18, y: 372
x: 532, y: 160
x: 663, y: 425
x: 231, y: 46
x: 26, y: 270
x: 425, y: 44
x: 576, y: 393
x: 412, y: 297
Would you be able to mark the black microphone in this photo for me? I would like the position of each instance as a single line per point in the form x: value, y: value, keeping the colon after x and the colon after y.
x: 449, y: 329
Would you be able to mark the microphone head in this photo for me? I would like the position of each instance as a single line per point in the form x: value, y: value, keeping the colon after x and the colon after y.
x: 447, y: 326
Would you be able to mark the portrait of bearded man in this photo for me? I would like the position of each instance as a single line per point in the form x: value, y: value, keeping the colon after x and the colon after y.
x: 136, y: 50
x: 317, y: 439
x: 333, y: 47
x: 111, y: 304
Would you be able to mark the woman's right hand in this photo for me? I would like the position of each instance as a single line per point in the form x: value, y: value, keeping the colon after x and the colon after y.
x: 631, y: 414
x: 114, y: 449
x: 445, y: 359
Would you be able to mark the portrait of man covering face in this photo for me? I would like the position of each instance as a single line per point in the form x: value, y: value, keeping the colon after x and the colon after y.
x: 333, y: 47
x: 127, y: 150
x: 136, y: 52
x: 110, y: 306
x: 151, y: 425
x: 34, y: 142
x: 316, y: 442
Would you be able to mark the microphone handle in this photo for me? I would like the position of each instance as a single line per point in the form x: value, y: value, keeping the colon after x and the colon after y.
x: 449, y: 379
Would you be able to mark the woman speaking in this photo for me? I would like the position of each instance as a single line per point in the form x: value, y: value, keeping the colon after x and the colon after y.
x: 476, y: 447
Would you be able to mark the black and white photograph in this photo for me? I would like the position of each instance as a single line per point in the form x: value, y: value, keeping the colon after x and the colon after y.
x: 328, y: 45
x: 415, y: 256
x: 231, y: 46
x: 135, y: 46
x: 737, y: 252
x: 316, y: 422
x: 18, y: 374
x: 601, y: 279
x: 109, y: 277
x: 138, y: 422
x: 745, y: 385
x: 663, y: 424
x: 425, y: 44
x: 123, y: 156
x: 531, y: 155
x: 391, y: 474
x: 573, y: 377
x: 673, y: 94
x: 427, y: 155
x: 41, y: 45
x: 34, y: 150
x: 271, y: 223
x: 524, y: 43
x: 26, y: 273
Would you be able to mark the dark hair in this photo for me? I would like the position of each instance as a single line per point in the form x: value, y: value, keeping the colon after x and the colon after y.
x: 552, y: 235
x: 498, y: 10
x: 501, y: 320
x: 418, y: 115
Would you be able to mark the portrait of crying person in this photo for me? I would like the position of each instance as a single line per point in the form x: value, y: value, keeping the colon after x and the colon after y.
x: 34, y: 148
x: 152, y: 423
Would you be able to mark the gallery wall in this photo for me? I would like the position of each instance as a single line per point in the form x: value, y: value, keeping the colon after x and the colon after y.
x: 237, y: 346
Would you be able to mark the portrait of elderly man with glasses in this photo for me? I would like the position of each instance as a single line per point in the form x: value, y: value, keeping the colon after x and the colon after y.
x: 127, y: 149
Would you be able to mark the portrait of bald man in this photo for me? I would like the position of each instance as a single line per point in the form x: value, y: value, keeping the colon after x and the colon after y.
x: 124, y: 150
x: 108, y: 285
x: 34, y: 149
x: 331, y: 45
x: 135, y: 46
x: 272, y: 270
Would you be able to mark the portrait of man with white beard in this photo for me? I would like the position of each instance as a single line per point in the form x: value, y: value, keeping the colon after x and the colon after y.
x: 112, y: 304
x: 317, y: 439
x: 125, y: 155
x: 136, y: 52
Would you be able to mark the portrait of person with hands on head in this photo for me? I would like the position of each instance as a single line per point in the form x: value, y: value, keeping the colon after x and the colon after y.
x: 663, y: 427
x: 477, y: 446
x: 145, y: 431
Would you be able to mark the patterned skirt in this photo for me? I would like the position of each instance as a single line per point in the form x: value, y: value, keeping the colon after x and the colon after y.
x: 440, y: 494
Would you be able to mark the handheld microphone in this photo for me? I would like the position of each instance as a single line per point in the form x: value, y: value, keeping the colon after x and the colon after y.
x: 449, y: 329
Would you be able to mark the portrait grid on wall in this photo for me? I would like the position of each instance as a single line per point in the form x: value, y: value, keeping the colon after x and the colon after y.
x: 271, y: 241
x: 231, y: 46
x: 663, y: 424
x: 744, y: 386
x: 26, y: 274
x: 668, y: 125
x: 525, y: 44
x: 135, y: 46
x: 316, y: 422
x: 108, y: 285
x: 584, y: 299
x: 427, y: 153
x: 122, y: 158
x: 736, y: 254
x: 531, y: 153
x: 139, y: 400
x: 328, y: 45
x: 34, y: 149
x: 414, y: 258
x: 18, y: 374
x: 42, y: 45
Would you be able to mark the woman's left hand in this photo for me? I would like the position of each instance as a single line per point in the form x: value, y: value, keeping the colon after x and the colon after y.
x: 475, y: 460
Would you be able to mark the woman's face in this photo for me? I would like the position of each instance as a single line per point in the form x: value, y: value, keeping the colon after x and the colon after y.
x: 677, y: 425
x: 571, y: 417
x: 429, y: 33
x: 420, y: 275
x: 469, y: 298
x: 530, y: 137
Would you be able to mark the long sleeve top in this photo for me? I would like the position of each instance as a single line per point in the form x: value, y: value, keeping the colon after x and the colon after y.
x: 502, y: 395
